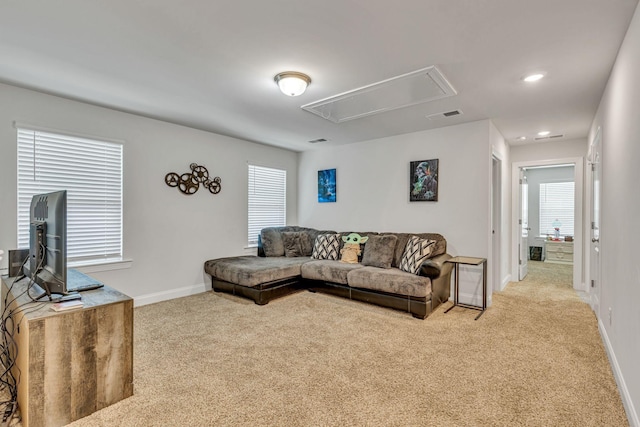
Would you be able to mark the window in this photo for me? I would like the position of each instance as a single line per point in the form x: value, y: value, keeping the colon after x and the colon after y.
x: 556, y: 204
x: 91, y: 172
x: 267, y: 200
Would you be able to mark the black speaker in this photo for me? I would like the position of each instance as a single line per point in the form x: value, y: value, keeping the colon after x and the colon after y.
x: 17, y: 257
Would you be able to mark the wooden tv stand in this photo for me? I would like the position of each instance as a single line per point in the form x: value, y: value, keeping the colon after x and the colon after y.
x: 71, y: 363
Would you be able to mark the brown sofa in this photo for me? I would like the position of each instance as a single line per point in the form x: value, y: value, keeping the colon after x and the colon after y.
x: 284, y: 265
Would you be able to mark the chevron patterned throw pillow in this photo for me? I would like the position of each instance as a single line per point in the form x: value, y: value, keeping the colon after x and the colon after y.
x: 415, y: 253
x: 326, y: 246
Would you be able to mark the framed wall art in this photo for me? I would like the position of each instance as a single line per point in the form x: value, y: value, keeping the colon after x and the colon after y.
x: 423, y: 179
x: 327, y: 186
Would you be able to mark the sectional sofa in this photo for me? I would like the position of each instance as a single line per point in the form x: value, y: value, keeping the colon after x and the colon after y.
x: 291, y: 259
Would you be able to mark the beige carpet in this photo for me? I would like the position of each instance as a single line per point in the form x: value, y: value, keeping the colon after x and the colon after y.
x: 535, y: 358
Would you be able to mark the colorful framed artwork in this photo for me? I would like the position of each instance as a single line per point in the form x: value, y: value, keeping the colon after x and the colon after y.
x: 327, y: 186
x: 423, y: 179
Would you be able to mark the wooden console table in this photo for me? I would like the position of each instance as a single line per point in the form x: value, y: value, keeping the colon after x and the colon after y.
x: 456, y: 261
x: 71, y: 363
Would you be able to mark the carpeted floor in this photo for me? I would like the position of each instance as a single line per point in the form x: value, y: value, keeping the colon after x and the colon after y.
x: 535, y: 358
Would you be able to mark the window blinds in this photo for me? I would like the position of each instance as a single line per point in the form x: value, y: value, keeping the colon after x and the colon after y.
x: 557, y: 203
x: 91, y: 172
x: 267, y: 200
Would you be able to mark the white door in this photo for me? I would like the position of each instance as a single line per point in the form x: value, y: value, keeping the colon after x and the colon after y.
x: 524, y: 227
x: 595, y: 158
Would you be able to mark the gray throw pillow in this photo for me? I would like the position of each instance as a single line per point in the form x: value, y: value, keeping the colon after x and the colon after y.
x: 272, y: 241
x: 296, y: 243
x: 379, y: 250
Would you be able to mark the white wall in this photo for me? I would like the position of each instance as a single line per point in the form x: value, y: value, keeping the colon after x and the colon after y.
x: 620, y: 235
x: 549, y: 150
x: 168, y: 235
x: 373, y: 187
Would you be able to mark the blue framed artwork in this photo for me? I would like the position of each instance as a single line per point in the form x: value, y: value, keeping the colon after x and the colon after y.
x: 327, y: 186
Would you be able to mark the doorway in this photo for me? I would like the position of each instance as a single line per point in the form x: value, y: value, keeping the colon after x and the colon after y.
x: 550, y: 238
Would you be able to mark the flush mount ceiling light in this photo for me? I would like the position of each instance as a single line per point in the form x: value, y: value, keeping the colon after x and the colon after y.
x: 533, y: 77
x: 521, y: 138
x: 544, y: 133
x: 292, y: 83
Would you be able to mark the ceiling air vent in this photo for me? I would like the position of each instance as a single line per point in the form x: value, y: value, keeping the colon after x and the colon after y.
x: 315, y: 141
x: 444, y: 115
x: 543, y: 138
x: 416, y: 87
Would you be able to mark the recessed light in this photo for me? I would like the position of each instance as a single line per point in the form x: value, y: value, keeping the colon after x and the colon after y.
x: 521, y: 138
x: 533, y: 77
x: 544, y: 133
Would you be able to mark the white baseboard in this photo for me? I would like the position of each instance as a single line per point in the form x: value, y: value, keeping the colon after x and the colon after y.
x: 581, y: 287
x: 632, y: 415
x: 505, y: 282
x: 167, y: 295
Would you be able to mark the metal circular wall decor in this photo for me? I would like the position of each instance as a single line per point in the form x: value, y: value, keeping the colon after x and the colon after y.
x: 188, y: 183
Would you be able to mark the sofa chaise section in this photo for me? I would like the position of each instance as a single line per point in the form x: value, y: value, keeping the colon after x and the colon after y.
x: 259, y: 278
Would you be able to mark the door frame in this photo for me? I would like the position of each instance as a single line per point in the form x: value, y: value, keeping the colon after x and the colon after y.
x: 522, y: 251
x: 594, y: 294
x: 496, y: 222
x: 578, y: 239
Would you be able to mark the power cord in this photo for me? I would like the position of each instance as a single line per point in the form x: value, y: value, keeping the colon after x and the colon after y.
x: 8, y: 347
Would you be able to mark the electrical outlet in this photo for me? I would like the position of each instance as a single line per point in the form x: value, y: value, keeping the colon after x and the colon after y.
x: 609, y: 316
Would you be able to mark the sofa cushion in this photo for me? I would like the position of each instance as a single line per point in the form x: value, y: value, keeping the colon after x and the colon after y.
x: 415, y: 253
x: 327, y: 271
x: 252, y: 270
x: 327, y: 246
x: 308, y: 239
x: 296, y: 243
x: 379, y: 251
x: 390, y: 280
x: 271, y: 243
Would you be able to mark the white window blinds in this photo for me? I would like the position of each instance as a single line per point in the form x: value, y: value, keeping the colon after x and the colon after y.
x: 91, y: 172
x: 557, y: 207
x: 267, y: 200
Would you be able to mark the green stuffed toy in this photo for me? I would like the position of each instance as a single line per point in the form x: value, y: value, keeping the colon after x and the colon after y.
x: 351, y: 249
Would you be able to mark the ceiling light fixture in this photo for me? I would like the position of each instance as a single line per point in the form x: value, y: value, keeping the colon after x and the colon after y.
x: 521, y: 138
x: 292, y: 83
x: 544, y: 133
x: 533, y: 77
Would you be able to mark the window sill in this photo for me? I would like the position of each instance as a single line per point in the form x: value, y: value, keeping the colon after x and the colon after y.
x: 95, y: 266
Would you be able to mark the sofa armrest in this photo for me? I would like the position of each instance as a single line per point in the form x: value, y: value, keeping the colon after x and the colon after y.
x: 260, y: 252
x: 436, y: 266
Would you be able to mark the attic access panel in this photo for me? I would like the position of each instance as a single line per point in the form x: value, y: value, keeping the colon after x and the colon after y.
x: 417, y: 87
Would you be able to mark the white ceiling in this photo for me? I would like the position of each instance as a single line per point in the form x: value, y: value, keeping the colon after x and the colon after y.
x: 210, y: 64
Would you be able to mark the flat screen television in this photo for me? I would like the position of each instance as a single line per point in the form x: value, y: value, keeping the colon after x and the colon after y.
x: 47, y: 263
